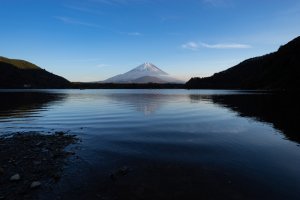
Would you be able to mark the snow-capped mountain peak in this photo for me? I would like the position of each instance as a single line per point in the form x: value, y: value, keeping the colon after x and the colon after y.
x: 143, y: 73
x: 148, y: 67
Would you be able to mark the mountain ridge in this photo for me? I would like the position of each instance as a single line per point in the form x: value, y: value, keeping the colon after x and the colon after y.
x: 277, y: 70
x: 147, y: 70
x: 15, y: 73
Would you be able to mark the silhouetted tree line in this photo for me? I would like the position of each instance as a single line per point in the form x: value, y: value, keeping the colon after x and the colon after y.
x: 126, y: 86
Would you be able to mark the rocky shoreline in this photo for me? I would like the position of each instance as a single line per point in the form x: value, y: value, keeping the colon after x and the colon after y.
x: 31, y: 160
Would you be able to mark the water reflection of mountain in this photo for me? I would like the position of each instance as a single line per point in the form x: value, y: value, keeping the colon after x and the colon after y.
x: 145, y: 103
x: 282, y: 110
x: 22, y: 104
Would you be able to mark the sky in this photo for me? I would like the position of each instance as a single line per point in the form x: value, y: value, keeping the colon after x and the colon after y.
x: 92, y: 40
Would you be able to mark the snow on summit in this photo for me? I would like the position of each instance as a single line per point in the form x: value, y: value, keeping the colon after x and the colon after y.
x: 149, y: 67
x: 144, y: 73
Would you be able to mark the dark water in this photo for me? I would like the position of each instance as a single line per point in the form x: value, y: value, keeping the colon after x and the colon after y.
x: 177, y: 144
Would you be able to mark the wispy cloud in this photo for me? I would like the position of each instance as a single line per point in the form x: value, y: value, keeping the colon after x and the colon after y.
x: 217, y: 3
x: 195, y: 46
x: 102, y: 65
x: 169, y: 18
x: 134, y: 33
x: 118, y: 2
x: 80, y: 60
x: 109, y: 2
x: 226, y: 46
x: 131, y: 33
x: 68, y: 20
x: 191, y: 46
x: 84, y: 9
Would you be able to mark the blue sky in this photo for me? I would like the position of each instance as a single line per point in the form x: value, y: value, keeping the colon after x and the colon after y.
x: 91, y: 40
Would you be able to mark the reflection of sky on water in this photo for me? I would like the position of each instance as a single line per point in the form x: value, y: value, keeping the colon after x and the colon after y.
x: 102, y: 105
x: 207, y: 137
x: 144, y: 103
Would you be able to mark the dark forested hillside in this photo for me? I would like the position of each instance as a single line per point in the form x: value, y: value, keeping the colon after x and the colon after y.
x: 278, y: 70
x: 22, y: 74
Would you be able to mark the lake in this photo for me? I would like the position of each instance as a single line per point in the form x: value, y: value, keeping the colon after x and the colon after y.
x: 174, y: 144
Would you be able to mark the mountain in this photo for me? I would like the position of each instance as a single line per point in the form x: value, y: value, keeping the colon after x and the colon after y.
x: 278, y: 70
x: 148, y: 79
x: 23, y: 74
x: 145, y: 73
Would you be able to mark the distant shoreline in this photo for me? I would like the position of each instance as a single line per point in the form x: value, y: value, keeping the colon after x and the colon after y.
x: 127, y: 86
x: 82, y: 86
x: 86, y: 86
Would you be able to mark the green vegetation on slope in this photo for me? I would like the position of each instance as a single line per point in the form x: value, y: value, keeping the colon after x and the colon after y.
x: 22, y: 74
x: 20, y: 64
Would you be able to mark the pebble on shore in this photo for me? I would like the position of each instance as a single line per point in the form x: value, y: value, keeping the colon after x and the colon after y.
x: 29, y: 159
x: 35, y: 184
x: 15, y: 177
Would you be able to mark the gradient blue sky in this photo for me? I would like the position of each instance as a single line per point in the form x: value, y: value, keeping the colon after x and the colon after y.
x: 91, y: 40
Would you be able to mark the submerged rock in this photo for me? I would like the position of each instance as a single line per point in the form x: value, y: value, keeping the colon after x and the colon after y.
x: 119, y: 173
x: 123, y: 171
x: 35, y: 184
x: 15, y: 177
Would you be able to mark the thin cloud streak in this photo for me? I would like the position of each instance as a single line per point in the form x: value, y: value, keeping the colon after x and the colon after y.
x: 72, y: 21
x: 118, y: 2
x: 134, y: 33
x: 195, y: 46
x: 218, y: 3
x: 169, y: 18
x: 226, y: 46
x: 131, y: 33
x: 68, y: 20
x: 191, y: 46
x: 80, y: 60
x: 102, y: 65
x: 84, y: 9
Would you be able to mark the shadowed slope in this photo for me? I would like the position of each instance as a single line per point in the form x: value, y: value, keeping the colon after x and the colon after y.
x: 20, y: 74
x: 278, y: 70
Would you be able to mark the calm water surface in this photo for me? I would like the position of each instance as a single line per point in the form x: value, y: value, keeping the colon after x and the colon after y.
x: 177, y: 144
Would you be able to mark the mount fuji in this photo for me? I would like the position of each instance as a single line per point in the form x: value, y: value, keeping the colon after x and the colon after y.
x: 145, y: 73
